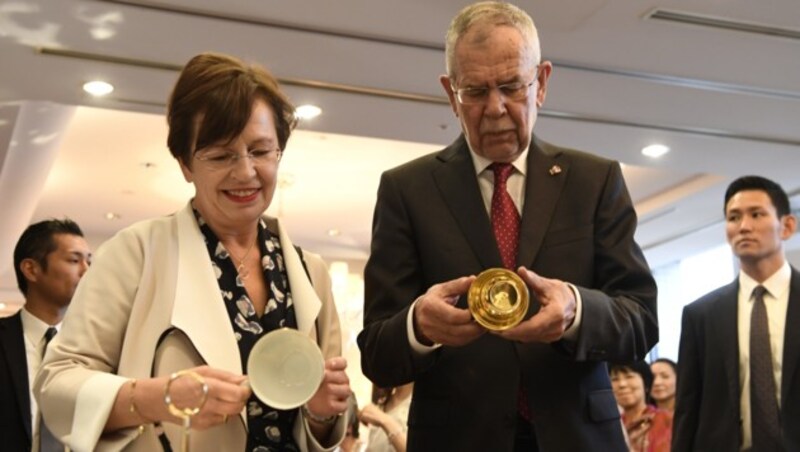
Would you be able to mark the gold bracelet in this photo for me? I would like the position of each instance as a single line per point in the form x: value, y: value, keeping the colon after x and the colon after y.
x: 133, y: 408
x: 187, y: 412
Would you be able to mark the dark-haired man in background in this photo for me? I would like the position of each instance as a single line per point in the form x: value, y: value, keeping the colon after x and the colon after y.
x: 49, y: 260
x: 738, y: 386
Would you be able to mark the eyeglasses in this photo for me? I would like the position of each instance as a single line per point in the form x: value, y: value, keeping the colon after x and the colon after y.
x: 515, y: 91
x: 218, y: 159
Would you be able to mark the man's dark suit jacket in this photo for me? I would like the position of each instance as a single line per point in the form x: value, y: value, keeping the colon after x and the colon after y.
x: 15, y: 405
x: 707, y: 414
x: 577, y: 225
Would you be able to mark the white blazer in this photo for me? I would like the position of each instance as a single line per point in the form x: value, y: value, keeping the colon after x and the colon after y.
x: 149, y: 278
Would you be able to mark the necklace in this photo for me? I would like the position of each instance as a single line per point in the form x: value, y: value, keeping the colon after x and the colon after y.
x: 241, y: 269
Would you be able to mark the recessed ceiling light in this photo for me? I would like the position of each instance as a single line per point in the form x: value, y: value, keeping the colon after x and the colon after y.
x: 112, y: 216
x: 334, y: 232
x: 102, y: 32
x: 98, y: 88
x: 307, y: 111
x: 2, y: 306
x: 655, y: 150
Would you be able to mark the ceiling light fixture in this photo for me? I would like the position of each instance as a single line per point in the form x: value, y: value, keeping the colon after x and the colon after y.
x: 98, y: 88
x: 307, y: 111
x: 334, y: 232
x: 112, y: 216
x: 655, y: 150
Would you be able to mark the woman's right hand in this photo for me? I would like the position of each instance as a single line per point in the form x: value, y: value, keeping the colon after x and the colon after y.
x: 144, y: 402
x: 372, y: 415
x: 227, y: 395
x: 637, y: 432
x: 395, y: 432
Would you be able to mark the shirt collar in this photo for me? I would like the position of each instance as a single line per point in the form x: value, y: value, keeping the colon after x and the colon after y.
x: 777, y: 284
x: 33, y: 327
x: 481, y: 163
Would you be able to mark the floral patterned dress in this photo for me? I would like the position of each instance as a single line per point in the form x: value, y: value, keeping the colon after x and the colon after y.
x: 269, y: 429
x: 658, y: 436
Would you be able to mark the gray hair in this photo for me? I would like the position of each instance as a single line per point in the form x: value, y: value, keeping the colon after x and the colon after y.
x: 492, y: 13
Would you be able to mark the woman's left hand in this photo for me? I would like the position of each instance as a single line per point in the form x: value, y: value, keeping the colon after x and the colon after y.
x: 331, y: 397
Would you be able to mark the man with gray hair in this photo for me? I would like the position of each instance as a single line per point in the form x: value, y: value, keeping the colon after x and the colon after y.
x: 500, y: 197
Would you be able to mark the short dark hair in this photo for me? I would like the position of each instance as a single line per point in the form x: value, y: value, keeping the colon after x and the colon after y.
x: 638, y: 367
x: 775, y: 192
x: 669, y: 362
x: 381, y: 395
x: 222, y: 89
x: 37, y: 241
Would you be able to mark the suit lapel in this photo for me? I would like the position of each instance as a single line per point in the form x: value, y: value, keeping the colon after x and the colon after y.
x: 458, y: 186
x: 13, y: 343
x: 306, y: 302
x: 791, y: 339
x: 726, y: 336
x: 546, y: 175
x: 199, y: 308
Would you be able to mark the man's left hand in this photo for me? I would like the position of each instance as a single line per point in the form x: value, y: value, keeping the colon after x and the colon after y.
x: 556, y: 314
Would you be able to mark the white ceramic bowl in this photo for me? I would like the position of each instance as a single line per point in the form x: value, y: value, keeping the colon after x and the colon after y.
x: 285, y: 368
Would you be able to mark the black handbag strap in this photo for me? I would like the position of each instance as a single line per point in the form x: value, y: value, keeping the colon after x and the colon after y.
x: 162, y: 435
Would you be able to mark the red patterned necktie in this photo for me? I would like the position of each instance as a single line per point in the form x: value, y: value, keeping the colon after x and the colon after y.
x: 505, y: 224
x: 505, y: 218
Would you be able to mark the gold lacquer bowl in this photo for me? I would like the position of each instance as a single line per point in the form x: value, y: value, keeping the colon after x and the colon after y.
x: 498, y: 299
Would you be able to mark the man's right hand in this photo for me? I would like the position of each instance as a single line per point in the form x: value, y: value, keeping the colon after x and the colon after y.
x: 437, y: 320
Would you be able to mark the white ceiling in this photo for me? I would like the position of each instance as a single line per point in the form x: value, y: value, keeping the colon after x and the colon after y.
x: 726, y: 102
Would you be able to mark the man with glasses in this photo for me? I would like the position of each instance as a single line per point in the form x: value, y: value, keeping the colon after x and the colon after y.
x: 499, y: 197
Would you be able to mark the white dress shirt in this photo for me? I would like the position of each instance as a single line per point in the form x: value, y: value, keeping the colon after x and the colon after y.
x: 776, y: 301
x: 33, y: 330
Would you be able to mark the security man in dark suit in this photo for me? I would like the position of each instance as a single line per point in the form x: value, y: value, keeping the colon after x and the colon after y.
x: 49, y: 260
x: 738, y: 377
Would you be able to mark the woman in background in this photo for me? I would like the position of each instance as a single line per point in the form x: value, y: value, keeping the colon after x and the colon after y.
x: 665, y: 374
x: 352, y: 441
x: 387, y: 417
x: 649, y: 428
x: 194, y: 291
